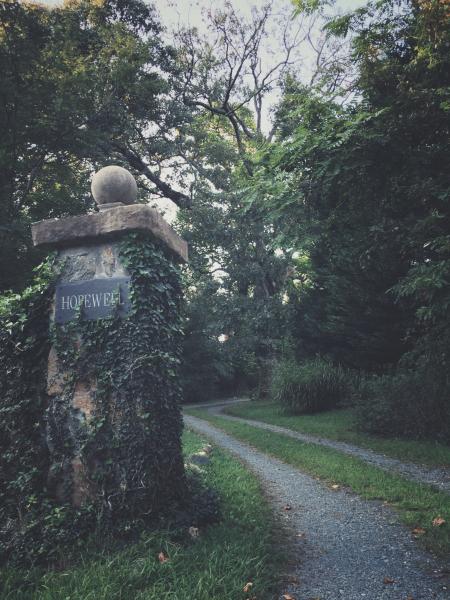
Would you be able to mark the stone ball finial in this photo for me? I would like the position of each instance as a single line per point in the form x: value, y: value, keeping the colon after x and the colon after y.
x: 113, y: 185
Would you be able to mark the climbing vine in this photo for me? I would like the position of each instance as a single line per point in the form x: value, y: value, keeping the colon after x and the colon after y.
x: 24, y: 348
x: 128, y: 446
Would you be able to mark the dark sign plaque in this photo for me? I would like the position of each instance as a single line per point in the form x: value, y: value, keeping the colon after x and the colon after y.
x: 97, y: 299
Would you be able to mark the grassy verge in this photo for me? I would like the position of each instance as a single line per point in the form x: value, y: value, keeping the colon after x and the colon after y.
x: 340, y: 425
x: 417, y: 504
x: 216, y: 566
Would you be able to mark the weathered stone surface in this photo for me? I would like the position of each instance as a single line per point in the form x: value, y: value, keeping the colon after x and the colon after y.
x: 68, y: 478
x: 200, y: 458
x: 81, y: 263
x: 114, y: 184
x: 56, y: 377
x: 82, y: 398
x: 194, y: 468
x: 81, y: 489
x: 97, y: 227
x: 88, y: 250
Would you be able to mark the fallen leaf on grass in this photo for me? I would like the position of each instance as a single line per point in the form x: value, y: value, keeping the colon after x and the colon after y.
x: 193, y: 532
x: 418, y: 531
x: 441, y: 573
x: 438, y: 521
x: 162, y: 557
x: 247, y: 587
x: 388, y: 580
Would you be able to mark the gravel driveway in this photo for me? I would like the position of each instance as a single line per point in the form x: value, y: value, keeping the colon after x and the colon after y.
x: 345, y: 548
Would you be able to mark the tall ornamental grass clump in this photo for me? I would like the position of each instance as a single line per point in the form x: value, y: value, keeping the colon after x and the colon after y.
x: 312, y: 386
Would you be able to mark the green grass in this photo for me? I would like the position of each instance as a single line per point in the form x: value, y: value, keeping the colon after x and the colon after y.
x: 216, y: 566
x: 417, y: 504
x: 340, y: 425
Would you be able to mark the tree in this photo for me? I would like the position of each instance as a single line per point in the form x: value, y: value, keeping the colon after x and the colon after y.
x: 82, y: 84
x: 236, y: 275
x: 361, y: 191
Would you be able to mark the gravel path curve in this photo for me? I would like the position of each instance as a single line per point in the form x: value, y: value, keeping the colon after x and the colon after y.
x: 345, y: 548
x: 437, y: 477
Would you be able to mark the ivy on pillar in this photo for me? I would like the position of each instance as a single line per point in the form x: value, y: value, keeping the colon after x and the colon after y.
x: 113, y: 424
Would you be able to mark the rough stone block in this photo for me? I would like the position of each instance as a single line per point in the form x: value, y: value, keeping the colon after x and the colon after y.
x: 80, y: 490
x: 84, y: 229
x: 82, y: 398
x: 56, y: 377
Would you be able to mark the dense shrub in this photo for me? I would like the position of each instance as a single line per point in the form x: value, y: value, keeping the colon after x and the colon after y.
x: 406, y: 404
x: 309, y: 387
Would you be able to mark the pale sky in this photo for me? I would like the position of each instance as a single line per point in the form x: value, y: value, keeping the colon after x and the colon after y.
x: 166, y: 7
x: 190, y: 10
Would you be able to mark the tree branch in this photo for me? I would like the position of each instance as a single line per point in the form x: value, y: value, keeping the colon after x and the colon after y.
x: 180, y: 199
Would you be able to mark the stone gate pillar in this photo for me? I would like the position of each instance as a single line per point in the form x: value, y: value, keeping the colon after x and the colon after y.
x: 107, y: 444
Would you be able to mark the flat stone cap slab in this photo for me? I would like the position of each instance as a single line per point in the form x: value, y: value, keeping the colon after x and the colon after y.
x: 71, y: 231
